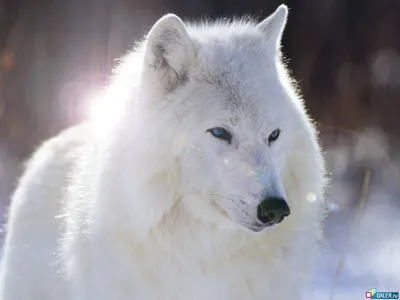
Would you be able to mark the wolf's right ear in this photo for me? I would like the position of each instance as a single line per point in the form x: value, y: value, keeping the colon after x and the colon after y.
x: 274, y: 25
x: 169, y: 52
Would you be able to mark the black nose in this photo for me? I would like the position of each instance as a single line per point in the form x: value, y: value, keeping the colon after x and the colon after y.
x: 272, y: 210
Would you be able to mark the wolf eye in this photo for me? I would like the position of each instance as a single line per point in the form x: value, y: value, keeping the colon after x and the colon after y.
x: 274, y: 136
x: 221, y: 133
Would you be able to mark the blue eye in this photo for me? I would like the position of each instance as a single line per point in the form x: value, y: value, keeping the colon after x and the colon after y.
x: 218, y: 131
x: 221, y: 133
x: 274, y: 136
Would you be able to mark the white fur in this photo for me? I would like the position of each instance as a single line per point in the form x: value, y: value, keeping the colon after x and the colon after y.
x: 144, y: 203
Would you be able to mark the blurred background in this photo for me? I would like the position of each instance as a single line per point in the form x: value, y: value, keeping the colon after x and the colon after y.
x: 345, y: 54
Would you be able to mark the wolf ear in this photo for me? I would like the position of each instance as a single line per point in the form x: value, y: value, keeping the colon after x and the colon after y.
x: 169, y: 52
x: 274, y: 25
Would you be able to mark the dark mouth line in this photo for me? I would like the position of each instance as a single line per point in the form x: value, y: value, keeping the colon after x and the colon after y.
x: 244, y: 221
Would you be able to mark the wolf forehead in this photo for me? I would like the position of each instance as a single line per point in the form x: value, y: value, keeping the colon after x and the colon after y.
x: 233, y: 59
x: 233, y: 49
x: 239, y: 70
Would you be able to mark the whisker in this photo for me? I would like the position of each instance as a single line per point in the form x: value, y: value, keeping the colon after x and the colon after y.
x: 223, y: 197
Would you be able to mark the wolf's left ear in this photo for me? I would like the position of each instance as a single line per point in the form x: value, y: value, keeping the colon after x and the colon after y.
x: 274, y: 25
x: 169, y: 51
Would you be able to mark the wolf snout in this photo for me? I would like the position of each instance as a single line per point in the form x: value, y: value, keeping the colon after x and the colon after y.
x: 272, y: 210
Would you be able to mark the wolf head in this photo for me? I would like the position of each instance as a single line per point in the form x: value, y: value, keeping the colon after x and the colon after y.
x: 223, y: 110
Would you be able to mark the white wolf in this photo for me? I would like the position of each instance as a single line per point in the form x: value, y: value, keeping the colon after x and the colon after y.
x: 178, y: 191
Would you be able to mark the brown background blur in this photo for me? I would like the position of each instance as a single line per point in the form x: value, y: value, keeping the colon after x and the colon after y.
x: 344, y: 53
